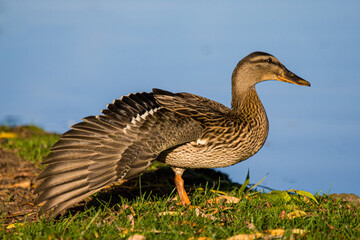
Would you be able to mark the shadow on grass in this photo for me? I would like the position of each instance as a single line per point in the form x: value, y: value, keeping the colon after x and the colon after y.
x: 157, y: 184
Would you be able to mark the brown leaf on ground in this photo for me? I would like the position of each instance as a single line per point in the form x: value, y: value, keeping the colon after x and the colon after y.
x: 23, y: 184
x: 276, y: 232
x: 200, y: 213
x: 199, y: 238
x: 137, y: 237
x: 225, y: 199
x: 189, y: 223
x: 214, y: 210
x: 250, y: 236
x: 130, y: 216
x: 132, y: 220
x: 250, y: 225
x: 282, y: 215
x: 172, y: 213
x: 269, y: 234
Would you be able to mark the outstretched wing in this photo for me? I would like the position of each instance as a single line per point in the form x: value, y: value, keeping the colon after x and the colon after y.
x: 207, y: 112
x: 115, y: 146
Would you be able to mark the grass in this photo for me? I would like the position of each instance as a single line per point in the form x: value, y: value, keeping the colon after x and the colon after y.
x: 159, y: 218
x: 220, y: 209
x: 28, y: 142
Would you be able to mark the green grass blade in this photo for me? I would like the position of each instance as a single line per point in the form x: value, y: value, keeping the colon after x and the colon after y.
x: 91, y: 222
x: 258, y: 183
x: 247, y: 181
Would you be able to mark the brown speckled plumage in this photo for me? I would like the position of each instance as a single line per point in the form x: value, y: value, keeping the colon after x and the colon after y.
x: 183, y: 130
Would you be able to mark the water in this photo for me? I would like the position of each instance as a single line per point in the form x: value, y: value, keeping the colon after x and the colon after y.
x: 61, y: 61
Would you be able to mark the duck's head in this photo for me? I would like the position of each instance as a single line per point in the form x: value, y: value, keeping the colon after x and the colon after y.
x: 258, y: 67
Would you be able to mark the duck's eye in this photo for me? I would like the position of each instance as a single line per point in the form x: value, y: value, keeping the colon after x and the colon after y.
x: 269, y: 60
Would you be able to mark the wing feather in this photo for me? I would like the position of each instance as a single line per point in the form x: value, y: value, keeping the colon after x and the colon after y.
x: 115, y: 146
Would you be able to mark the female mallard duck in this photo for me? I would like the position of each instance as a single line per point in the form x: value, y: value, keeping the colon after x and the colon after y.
x: 183, y: 130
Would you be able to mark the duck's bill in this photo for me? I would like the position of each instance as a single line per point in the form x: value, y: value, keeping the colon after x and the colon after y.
x: 290, y: 77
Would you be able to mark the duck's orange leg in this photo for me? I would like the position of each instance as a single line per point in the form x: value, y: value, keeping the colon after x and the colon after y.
x: 181, y: 190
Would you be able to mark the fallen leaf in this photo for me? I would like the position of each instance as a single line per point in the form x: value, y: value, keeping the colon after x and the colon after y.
x: 250, y: 236
x: 24, y: 184
x: 276, y: 232
x: 199, y: 238
x: 226, y: 199
x: 306, y: 199
x: 269, y: 234
x: 174, y: 199
x: 282, y: 214
x: 295, y: 214
x: 132, y: 220
x: 298, y: 231
x: 21, y: 212
x: 137, y: 237
x: 14, y: 225
x: 172, y: 213
x: 8, y: 135
x: 250, y: 225
x: 214, y: 210
x: 198, y: 212
x: 158, y: 231
x: 226, y: 208
x: 190, y: 223
x: 110, y: 219
x: 331, y: 227
x: 124, y: 230
x: 124, y: 207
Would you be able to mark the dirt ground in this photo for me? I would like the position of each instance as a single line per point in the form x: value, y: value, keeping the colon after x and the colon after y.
x: 17, y: 183
x: 17, y: 179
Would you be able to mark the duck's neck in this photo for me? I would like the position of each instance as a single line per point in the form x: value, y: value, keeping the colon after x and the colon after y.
x: 247, y: 105
x: 251, y: 117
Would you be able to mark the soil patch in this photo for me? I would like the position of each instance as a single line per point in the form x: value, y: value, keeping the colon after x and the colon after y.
x: 346, y: 197
x: 17, y: 181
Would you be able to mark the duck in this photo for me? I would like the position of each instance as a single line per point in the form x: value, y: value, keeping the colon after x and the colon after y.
x: 182, y: 130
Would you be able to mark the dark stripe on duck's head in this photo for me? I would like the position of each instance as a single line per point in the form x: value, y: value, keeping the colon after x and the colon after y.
x: 269, y: 60
x: 256, y: 56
